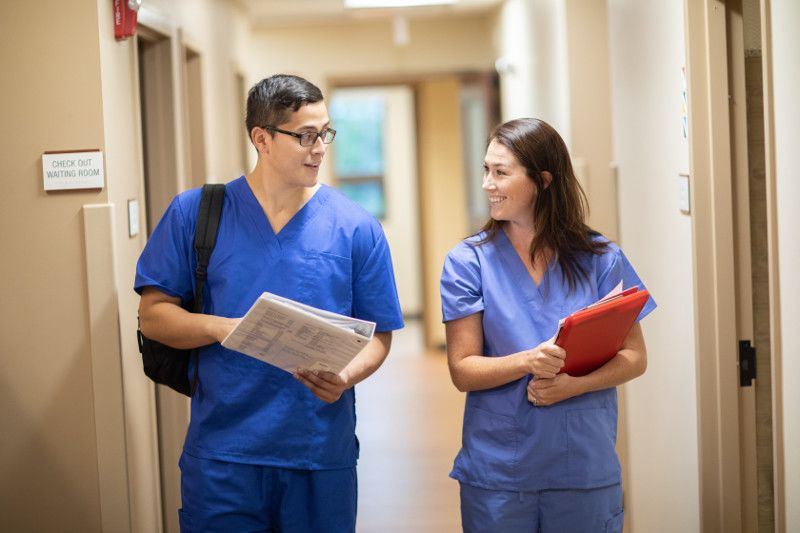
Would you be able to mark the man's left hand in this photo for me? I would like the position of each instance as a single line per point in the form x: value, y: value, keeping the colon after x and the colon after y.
x: 326, y: 386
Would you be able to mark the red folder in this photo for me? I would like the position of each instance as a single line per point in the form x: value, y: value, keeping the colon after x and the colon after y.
x: 593, y: 335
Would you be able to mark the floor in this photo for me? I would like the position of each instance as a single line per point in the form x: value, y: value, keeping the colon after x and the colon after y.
x: 409, y: 425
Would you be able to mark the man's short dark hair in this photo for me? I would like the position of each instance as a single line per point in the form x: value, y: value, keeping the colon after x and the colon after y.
x: 271, y: 100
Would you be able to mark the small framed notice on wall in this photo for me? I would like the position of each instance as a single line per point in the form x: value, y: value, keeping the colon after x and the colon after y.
x: 73, y: 169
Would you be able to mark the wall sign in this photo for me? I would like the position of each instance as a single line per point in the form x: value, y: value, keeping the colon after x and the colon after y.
x: 73, y: 170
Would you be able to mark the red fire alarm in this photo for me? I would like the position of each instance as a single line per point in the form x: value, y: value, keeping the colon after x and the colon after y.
x: 125, y: 18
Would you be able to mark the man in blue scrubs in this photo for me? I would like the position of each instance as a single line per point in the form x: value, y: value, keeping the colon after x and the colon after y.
x: 267, y: 450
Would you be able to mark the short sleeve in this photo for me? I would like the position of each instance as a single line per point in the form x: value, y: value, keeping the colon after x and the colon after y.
x: 374, y: 290
x: 460, y: 286
x: 619, y: 269
x: 165, y: 262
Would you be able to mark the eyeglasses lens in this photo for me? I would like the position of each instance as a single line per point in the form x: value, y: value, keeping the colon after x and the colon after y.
x: 309, y: 138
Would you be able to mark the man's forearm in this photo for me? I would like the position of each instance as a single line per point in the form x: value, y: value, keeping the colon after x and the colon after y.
x: 369, y: 359
x: 172, y: 325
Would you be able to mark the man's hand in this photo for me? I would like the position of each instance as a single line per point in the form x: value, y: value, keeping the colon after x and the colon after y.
x: 548, y: 391
x: 326, y: 386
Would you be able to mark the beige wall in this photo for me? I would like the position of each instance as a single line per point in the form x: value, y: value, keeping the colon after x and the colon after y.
x: 401, y: 220
x: 531, y: 41
x: 786, y: 86
x: 590, y: 110
x: 48, y: 452
x: 553, y: 65
x: 514, y: 64
x: 220, y: 34
x: 77, y: 459
x: 441, y: 176
x: 646, y: 56
x: 124, y: 168
x: 351, y: 50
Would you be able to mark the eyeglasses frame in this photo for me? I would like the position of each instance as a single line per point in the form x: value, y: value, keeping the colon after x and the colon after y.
x: 299, y: 136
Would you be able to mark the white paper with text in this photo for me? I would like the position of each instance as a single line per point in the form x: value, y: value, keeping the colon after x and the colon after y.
x: 291, y: 335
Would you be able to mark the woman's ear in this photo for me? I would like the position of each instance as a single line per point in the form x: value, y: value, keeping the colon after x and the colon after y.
x: 547, y: 178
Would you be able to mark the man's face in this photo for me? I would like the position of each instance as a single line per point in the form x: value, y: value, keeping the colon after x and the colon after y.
x: 299, y: 165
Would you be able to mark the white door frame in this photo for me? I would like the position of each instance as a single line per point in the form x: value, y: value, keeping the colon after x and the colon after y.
x: 713, y: 255
x: 713, y: 228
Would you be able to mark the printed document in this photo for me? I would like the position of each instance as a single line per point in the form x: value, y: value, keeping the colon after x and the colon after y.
x: 291, y: 335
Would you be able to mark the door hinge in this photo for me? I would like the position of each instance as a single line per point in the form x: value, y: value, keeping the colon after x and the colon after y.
x: 747, y: 364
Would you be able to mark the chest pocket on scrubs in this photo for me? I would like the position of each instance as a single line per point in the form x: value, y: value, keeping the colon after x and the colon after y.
x: 327, y: 282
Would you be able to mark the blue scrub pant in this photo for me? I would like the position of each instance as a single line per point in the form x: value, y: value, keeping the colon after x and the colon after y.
x: 548, y: 511
x: 224, y: 497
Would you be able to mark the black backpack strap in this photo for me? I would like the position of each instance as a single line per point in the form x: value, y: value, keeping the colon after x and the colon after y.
x: 205, y: 238
x: 205, y: 234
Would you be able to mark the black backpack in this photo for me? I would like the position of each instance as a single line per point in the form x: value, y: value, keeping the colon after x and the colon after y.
x: 164, y: 364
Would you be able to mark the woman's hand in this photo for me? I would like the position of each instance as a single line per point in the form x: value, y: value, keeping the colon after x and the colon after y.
x: 545, y: 360
x: 542, y: 392
x: 326, y: 386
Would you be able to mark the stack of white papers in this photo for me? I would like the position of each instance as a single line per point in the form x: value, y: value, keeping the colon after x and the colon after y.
x: 291, y: 335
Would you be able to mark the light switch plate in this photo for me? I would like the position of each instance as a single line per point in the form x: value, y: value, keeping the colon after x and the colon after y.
x: 683, y: 194
x: 133, y: 218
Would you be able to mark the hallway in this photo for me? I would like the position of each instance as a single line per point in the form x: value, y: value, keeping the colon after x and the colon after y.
x: 409, y: 426
x: 682, y: 122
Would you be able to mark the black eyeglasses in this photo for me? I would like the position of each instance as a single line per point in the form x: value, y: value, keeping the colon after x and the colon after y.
x: 308, y: 138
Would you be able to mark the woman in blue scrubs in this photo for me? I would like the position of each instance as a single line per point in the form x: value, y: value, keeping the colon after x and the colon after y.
x: 538, y: 446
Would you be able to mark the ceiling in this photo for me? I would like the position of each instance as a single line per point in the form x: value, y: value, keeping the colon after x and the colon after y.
x: 274, y: 13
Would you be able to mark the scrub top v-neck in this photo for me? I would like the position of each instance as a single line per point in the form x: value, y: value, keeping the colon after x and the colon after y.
x: 332, y: 255
x: 533, y: 293
x: 507, y: 443
x: 289, y: 232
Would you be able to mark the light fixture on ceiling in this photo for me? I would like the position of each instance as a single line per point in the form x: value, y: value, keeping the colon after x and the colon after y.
x: 361, y: 4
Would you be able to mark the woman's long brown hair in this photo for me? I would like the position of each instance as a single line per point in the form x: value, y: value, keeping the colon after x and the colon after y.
x: 560, y: 210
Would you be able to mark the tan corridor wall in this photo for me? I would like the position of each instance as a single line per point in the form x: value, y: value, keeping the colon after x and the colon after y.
x: 48, y: 452
x: 554, y: 66
x: 219, y: 35
x: 785, y: 43
x: 351, y: 50
x: 73, y: 457
x: 646, y: 56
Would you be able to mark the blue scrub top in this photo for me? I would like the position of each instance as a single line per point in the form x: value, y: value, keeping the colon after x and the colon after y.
x: 507, y: 443
x: 333, y: 255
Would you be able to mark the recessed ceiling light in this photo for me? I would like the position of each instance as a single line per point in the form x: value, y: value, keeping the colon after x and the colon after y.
x: 358, y: 4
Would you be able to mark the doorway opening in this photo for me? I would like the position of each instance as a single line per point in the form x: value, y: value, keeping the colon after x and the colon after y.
x: 157, y: 88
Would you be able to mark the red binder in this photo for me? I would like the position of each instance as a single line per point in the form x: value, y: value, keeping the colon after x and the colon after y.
x: 593, y: 335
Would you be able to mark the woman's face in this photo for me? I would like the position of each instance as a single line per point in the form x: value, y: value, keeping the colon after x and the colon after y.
x: 511, y: 192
